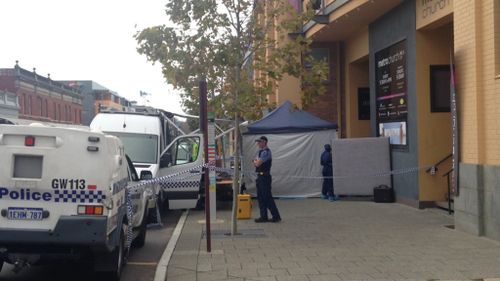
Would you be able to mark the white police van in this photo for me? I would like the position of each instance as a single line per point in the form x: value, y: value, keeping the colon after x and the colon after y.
x: 64, y: 194
x: 144, y: 136
x: 149, y: 141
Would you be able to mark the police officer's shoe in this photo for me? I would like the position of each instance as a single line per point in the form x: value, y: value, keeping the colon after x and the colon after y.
x: 261, y: 220
x: 276, y: 219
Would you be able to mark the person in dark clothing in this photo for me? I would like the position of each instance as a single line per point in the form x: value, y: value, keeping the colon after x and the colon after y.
x: 326, y: 162
x: 262, y: 163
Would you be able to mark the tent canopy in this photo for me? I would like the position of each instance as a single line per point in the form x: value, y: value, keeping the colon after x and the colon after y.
x: 286, y: 119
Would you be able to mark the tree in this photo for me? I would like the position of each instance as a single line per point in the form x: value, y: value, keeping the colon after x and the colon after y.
x: 241, y: 47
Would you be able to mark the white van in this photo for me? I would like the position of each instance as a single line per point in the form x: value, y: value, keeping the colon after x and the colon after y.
x: 63, y: 195
x: 143, y: 135
x: 147, y: 138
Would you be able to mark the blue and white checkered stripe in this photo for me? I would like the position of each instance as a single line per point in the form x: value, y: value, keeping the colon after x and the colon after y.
x: 180, y: 185
x: 79, y: 196
x: 130, y: 213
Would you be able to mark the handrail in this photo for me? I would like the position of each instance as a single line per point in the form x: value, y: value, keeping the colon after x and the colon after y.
x: 433, y: 168
x: 447, y: 175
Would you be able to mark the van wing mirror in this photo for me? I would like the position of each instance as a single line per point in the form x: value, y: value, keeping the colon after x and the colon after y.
x: 166, y: 160
x: 146, y: 175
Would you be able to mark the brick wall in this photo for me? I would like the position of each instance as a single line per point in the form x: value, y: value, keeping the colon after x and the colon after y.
x: 43, y: 102
x: 325, y: 106
x: 477, y: 87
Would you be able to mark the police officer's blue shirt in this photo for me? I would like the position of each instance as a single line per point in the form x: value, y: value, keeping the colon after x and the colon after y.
x: 266, y: 158
x: 265, y: 154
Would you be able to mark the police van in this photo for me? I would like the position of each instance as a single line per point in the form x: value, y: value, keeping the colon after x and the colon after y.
x: 144, y: 136
x: 148, y: 138
x: 68, y: 194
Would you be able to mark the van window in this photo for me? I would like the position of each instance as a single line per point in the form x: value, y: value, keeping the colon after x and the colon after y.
x: 185, y: 150
x: 141, y: 148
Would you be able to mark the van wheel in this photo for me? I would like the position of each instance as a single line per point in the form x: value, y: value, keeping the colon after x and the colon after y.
x: 1, y: 264
x: 117, y: 259
x: 140, y: 240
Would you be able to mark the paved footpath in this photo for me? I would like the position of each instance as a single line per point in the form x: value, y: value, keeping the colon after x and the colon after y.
x: 344, y: 240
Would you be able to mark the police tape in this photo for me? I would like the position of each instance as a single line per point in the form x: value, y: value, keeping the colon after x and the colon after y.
x: 130, y: 213
x: 354, y: 175
x: 176, y: 176
x: 173, y: 179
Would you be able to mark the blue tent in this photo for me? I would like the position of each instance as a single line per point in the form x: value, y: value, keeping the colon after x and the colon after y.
x: 296, y: 139
x: 286, y: 119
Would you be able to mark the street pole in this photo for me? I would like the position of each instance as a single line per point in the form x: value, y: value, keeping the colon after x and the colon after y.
x: 204, y: 129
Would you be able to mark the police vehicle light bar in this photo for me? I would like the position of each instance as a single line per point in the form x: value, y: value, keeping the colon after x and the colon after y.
x: 90, y: 210
x: 29, y: 141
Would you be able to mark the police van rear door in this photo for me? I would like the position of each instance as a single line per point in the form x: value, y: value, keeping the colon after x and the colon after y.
x: 180, y: 167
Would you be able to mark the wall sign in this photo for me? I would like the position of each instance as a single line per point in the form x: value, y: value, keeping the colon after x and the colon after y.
x: 391, y: 93
x: 430, y: 11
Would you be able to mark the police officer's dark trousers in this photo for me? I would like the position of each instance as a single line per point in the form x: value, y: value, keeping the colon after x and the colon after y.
x: 265, y: 197
x: 327, y: 189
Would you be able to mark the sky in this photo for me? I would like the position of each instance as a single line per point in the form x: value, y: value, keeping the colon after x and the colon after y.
x: 87, y: 40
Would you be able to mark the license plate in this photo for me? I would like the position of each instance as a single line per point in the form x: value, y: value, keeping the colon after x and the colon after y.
x: 15, y: 213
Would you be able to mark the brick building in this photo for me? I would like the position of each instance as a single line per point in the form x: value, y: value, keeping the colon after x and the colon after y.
x: 391, y: 63
x: 41, y: 98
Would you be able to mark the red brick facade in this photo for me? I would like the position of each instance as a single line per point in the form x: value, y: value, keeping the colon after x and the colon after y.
x: 325, y: 106
x: 41, y: 98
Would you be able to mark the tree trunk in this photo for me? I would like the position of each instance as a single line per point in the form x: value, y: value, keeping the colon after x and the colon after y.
x: 236, y: 176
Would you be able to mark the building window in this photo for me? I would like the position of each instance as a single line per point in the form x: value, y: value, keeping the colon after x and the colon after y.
x: 29, y: 106
x: 320, y: 54
x: 59, y: 117
x: 24, y: 110
x: 440, y: 88
x: 40, y: 106
x: 46, y: 108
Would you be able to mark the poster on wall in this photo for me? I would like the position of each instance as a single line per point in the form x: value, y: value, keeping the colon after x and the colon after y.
x: 391, y: 94
x: 395, y: 131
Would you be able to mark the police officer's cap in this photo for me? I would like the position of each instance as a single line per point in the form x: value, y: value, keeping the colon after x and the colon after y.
x: 263, y: 138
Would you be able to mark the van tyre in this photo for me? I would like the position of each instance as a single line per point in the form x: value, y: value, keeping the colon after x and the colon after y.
x: 140, y: 240
x: 117, y: 259
x: 152, y: 217
x: 1, y: 264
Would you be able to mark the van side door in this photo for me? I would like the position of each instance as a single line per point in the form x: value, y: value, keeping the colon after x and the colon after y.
x: 182, y: 158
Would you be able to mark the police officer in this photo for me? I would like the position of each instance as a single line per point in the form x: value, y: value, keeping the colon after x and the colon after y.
x: 262, y: 163
x: 326, y: 162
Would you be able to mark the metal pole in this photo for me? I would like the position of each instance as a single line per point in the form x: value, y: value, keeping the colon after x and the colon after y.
x: 204, y: 129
